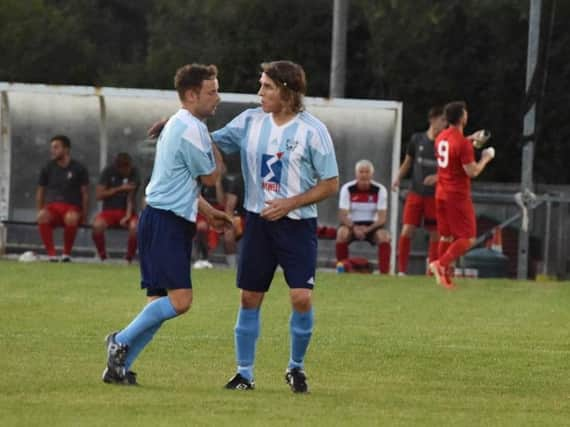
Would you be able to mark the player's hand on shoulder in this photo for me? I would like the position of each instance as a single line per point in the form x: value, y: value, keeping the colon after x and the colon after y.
x: 156, y: 128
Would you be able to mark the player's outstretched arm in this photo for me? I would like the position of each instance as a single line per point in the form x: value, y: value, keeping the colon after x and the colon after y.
x: 156, y: 128
x: 278, y: 208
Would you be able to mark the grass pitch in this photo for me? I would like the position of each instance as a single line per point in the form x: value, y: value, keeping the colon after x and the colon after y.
x: 386, y: 351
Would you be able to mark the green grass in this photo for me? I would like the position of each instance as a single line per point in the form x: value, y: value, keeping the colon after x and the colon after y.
x: 386, y: 351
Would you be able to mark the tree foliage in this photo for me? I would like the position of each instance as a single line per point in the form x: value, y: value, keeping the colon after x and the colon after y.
x: 421, y: 52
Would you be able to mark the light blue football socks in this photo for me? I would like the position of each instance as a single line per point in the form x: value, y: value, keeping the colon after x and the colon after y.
x: 301, y: 328
x: 139, y: 344
x: 151, y: 316
x: 246, y: 333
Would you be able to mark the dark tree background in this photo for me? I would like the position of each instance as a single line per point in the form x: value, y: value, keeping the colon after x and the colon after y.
x: 420, y: 52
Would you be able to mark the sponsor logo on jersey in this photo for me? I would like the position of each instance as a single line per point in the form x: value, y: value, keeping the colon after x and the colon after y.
x: 271, y: 167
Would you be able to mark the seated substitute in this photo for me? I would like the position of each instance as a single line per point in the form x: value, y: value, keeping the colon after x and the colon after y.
x: 362, y: 214
x: 62, y: 198
x: 117, y: 189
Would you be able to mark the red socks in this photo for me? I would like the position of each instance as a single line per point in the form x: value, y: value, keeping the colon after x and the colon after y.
x: 433, y: 251
x: 341, y: 251
x: 403, y: 253
x: 442, y: 247
x: 46, y: 233
x: 99, y: 240
x: 456, y: 249
x: 131, y: 247
x: 69, y: 233
x: 384, y: 257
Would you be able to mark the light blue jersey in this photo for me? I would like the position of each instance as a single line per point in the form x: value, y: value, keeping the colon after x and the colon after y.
x: 183, y: 153
x: 279, y: 161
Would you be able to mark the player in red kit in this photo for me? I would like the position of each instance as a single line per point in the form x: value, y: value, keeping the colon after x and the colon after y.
x: 420, y: 163
x: 455, y: 214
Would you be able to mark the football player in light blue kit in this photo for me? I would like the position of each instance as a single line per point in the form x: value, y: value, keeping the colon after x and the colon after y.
x: 288, y: 163
x: 185, y: 159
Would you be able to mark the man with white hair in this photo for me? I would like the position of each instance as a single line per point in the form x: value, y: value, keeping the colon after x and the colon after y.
x: 362, y: 213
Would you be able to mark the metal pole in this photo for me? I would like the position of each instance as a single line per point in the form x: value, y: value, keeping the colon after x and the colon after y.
x: 546, y: 268
x: 103, y: 141
x: 5, y: 156
x: 528, y: 131
x: 338, y: 49
x: 394, y: 202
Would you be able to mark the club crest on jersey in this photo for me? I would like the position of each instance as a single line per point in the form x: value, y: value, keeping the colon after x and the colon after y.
x: 271, y: 167
x: 290, y: 144
x: 69, y: 175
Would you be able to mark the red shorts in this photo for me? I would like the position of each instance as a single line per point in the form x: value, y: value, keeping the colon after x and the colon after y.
x: 456, y: 217
x: 113, y: 217
x: 418, y: 206
x: 58, y: 210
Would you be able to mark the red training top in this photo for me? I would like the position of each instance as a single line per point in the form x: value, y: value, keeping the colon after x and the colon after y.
x: 452, y: 151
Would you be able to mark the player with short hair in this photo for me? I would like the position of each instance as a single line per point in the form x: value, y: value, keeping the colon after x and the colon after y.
x: 420, y: 200
x: 363, y: 205
x: 62, y: 198
x: 456, y: 166
x: 185, y: 159
x: 117, y: 189
x: 289, y: 164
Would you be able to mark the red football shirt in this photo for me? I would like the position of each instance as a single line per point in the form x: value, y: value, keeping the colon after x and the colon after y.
x: 452, y: 151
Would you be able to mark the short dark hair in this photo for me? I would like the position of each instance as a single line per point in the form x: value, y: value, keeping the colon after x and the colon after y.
x: 191, y: 76
x: 291, y: 79
x: 123, y: 160
x: 65, y: 141
x: 454, y: 111
x: 435, y: 111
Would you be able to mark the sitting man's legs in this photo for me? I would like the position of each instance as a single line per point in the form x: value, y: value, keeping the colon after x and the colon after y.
x: 46, y: 221
x: 70, y: 223
x: 343, y: 239
x: 382, y: 239
x: 98, y: 235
